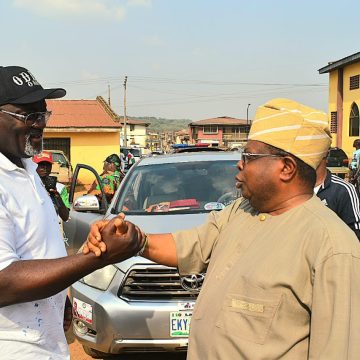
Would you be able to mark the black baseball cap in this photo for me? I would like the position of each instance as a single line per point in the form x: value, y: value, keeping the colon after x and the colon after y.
x: 19, y: 86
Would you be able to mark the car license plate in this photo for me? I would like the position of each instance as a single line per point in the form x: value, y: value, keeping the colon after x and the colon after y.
x: 180, y: 323
x: 82, y: 310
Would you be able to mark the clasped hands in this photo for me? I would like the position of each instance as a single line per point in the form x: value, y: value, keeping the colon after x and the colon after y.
x: 114, y: 240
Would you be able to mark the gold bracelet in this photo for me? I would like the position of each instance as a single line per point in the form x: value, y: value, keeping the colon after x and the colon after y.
x: 142, y: 249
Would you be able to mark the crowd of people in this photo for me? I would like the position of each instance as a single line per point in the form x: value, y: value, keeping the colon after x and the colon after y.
x: 282, y: 267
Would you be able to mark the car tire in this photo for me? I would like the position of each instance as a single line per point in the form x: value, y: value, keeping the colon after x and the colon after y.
x: 95, y: 354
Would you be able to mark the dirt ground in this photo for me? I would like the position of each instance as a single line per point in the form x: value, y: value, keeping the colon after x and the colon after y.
x: 76, y: 350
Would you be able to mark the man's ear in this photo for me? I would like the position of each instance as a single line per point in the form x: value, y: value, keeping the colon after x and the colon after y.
x: 289, y: 169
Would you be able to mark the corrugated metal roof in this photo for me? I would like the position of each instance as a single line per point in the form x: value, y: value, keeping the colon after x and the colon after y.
x: 340, y: 63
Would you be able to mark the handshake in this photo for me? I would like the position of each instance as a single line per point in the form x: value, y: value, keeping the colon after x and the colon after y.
x: 115, y: 240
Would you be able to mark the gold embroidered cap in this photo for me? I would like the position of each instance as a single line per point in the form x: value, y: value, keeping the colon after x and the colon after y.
x: 295, y: 128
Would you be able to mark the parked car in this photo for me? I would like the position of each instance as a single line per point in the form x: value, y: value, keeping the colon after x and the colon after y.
x: 155, y: 153
x: 136, y: 151
x: 61, y: 168
x: 197, y: 149
x: 137, y: 305
x: 337, y: 162
x: 180, y: 148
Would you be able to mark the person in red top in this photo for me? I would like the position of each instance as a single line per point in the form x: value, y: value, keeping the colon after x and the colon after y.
x: 130, y: 159
x: 57, y: 192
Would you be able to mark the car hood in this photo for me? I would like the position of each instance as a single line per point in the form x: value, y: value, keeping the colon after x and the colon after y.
x: 159, y: 224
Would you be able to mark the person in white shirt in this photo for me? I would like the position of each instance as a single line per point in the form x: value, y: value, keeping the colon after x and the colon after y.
x: 34, y: 268
x: 122, y: 162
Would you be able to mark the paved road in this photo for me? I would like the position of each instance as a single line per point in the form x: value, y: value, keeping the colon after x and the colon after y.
x: 77, y: 353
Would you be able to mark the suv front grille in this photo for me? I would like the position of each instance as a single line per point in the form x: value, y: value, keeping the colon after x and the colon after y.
x: 153, y: 282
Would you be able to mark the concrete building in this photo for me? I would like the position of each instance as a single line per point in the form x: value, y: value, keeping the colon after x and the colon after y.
x: 182, y: 136
x: 86, y: 130
x: 135, y: 132
x: 221, y: 131
x: 344, y: 100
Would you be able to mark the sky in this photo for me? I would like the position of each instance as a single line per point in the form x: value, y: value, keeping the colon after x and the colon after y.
x: 184, y: 59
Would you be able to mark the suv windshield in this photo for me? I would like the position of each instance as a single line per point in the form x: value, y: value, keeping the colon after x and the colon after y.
x: 188, y: 187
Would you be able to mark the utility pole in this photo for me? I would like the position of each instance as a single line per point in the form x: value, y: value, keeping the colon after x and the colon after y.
x: 247, y: 114
x: 161, y: 142
x: 109, y: 96
x: 125, y: 119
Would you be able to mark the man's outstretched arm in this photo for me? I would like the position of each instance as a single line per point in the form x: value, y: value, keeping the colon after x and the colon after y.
x: 161, y: 248
x: 28, y: 280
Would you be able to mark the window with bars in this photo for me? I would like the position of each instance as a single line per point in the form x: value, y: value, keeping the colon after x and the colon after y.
x: 210, y: 129
x: 333, y: 122
x: 354, y: 82
x: 354, y: 120
x: 62, y: 144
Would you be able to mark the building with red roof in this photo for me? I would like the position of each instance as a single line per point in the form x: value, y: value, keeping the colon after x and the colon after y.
x: 221, y: 131
x: 86, y: 130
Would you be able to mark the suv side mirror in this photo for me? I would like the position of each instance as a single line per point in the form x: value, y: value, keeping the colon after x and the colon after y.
x: 86, y: 203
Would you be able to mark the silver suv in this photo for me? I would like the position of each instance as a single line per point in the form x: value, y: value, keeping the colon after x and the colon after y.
x: 137, y: 305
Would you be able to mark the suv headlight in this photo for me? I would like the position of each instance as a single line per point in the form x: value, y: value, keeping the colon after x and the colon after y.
x: 100, y: 279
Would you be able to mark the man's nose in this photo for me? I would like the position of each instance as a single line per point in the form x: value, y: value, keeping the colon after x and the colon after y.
x: 240, y: 165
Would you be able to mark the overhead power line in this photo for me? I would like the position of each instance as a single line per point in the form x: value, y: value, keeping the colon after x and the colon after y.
x: 176, y: 94
x: 148, y: 79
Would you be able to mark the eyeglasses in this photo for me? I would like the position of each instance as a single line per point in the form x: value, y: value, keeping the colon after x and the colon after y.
x: 30, y: 119
x: 246, y: 157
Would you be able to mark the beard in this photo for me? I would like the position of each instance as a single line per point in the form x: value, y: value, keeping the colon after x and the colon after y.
x: 29, y: 148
